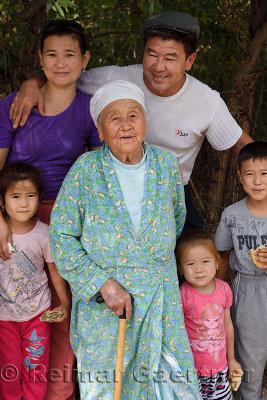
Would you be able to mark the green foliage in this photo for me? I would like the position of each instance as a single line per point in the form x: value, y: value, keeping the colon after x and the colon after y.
x: 58, y: 9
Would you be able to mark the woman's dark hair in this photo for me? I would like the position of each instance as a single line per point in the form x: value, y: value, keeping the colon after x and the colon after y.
x: 254, y: 150
x: 188, y: 40
x: 18, y: 171
x: 62, y: 28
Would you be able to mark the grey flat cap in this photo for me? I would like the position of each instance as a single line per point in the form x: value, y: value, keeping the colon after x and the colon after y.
x: 174, y: 20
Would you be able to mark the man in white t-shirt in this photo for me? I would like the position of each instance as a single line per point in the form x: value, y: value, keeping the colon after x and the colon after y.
x: 181, y: 110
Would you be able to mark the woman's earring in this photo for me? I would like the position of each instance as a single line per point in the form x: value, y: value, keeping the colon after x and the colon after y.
x: 83, y: 70
x: 42, y: 67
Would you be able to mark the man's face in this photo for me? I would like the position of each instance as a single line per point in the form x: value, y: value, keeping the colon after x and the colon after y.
x: 164, y: 64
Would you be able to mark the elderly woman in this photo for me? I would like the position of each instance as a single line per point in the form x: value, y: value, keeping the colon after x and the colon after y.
x: 113, y: 230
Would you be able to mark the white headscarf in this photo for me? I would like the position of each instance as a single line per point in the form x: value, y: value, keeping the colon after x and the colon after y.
x: 112, y: 91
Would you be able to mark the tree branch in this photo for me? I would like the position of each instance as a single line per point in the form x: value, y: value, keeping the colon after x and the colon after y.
x: 111, y: 33
x: 33, y: 7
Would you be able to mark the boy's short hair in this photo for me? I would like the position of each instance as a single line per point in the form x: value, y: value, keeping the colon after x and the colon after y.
x: 254, y: 150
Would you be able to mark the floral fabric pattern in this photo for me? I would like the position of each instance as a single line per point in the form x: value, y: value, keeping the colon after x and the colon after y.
x: 93, y: 239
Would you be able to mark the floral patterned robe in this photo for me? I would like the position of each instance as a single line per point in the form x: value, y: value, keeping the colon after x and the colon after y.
x: 93, y: 239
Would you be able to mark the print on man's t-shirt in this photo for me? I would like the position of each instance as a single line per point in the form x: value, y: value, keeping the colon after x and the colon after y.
x: 179, y: 132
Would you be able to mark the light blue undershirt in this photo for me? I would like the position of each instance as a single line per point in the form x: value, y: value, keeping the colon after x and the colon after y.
x: 131, y: 178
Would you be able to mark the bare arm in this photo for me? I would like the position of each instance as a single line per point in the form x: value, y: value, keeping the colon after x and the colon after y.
x: 61, y: 289
x: 5, y: 232
x: 116, y: 298
x: 5, y: 237
x: 233, y: 365
x: 3, y: 157
x: 223, y: 270
x: 28, y: 96
x: 242, y: 141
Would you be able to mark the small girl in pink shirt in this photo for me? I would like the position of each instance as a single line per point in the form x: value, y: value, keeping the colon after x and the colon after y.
x: 206, y: 304
x: 24, y: 291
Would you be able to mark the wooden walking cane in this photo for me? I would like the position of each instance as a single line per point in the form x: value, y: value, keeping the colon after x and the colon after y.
x: 120, y: 350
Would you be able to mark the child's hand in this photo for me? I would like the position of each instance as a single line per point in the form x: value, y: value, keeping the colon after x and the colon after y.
x: 234, y: 365
x: 261, y: 255
x: 63, y: 308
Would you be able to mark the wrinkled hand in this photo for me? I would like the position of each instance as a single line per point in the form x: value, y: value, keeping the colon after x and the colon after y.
x: 261, y: 255
x: 28, y: 97
x: 116, y: 298
x: 234, y: 365
x: 5, y: 237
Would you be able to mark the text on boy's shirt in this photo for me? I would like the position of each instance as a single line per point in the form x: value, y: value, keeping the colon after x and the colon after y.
x: 250, y: 241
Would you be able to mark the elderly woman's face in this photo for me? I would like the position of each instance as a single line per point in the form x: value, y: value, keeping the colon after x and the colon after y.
x: 122, y: 125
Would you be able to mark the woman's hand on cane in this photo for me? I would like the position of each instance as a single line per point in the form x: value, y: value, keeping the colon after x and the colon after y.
x: 116, y: 298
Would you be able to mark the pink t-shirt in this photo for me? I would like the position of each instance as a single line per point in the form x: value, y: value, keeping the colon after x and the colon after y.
x: 204, y: 322
x: 24, y: 291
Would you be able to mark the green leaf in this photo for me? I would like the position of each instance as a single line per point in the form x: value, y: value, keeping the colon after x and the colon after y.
x: 59, y: 9
x: 151, y: 7
x: 49, y: 5
x: 158, y: 7
x: 70, y: 3
x: 63, y: 4
x: 140, y: 4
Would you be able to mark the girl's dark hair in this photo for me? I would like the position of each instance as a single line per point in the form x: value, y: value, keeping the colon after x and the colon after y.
x: 18, y: 171
x: 254, y: 150
x: 188, y: 40
x: 62, y: 28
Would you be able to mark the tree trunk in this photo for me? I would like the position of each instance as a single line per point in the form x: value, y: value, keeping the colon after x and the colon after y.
x: 242, y: 103
x: 223, y: 188
x: 22, y: 63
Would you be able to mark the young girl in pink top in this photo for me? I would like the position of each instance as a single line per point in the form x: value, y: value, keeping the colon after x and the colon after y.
x: 206, y: 304
x: 24, y: 291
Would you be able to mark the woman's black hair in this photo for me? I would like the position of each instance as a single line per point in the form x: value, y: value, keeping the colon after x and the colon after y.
x: 18, y: 171
x: 253, y: 150
x: 64, y: 27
